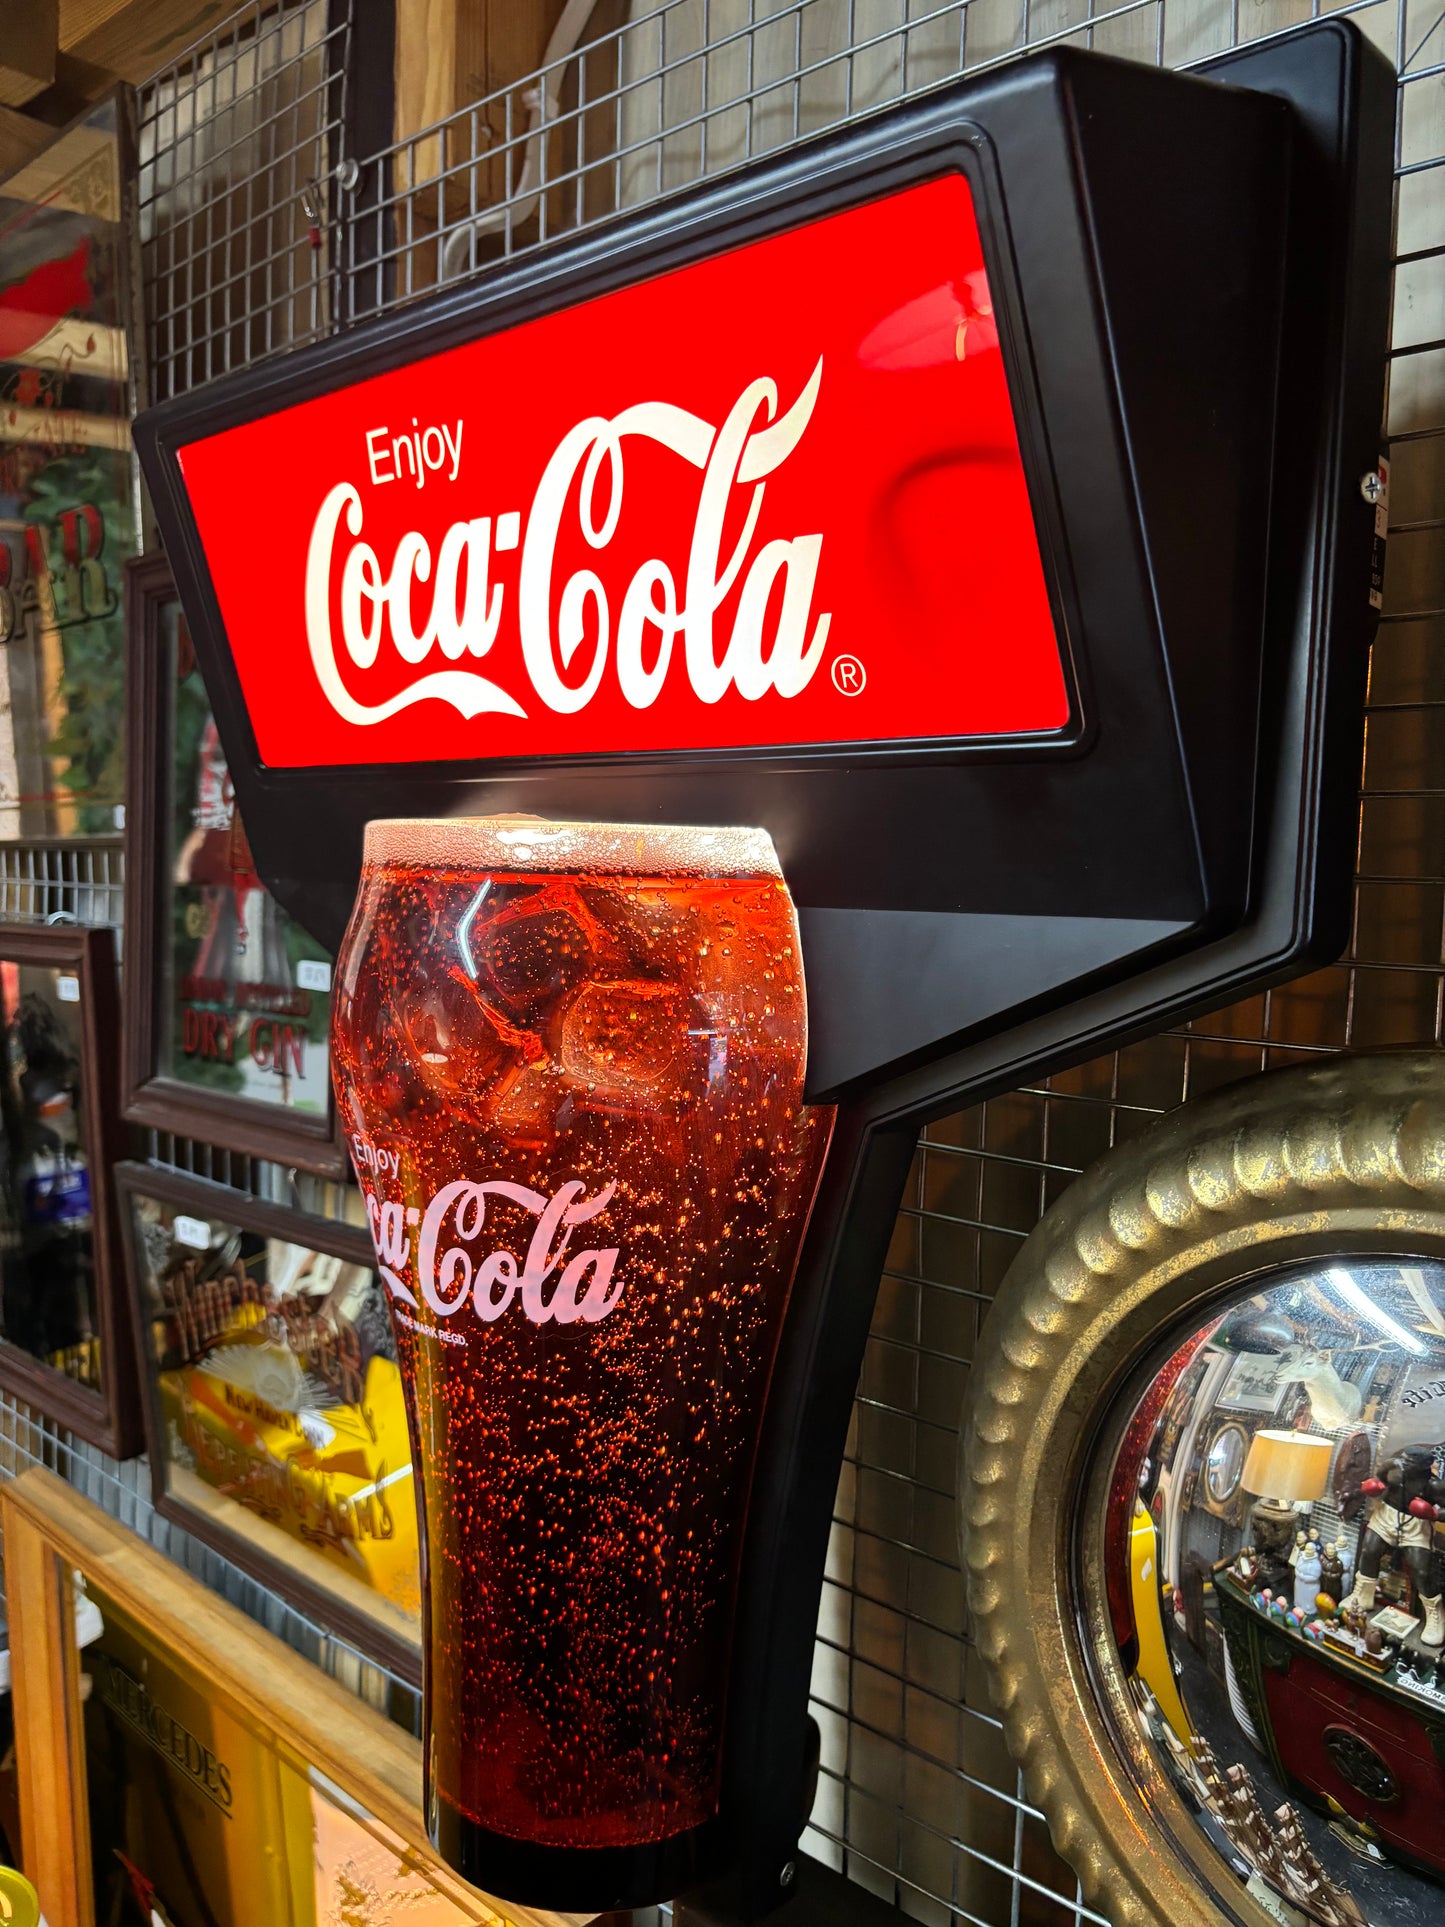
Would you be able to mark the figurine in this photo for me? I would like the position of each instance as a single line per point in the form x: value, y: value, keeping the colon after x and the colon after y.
x: 1307, y: 1573
x: 1407, y: 1501
x: 1284, y: 1865
x: 1332, y: 1573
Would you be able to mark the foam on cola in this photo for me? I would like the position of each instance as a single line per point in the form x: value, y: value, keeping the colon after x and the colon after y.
x: 570, y: 1062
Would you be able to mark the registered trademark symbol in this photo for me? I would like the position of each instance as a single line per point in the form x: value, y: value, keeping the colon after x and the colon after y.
x: 849, y: 676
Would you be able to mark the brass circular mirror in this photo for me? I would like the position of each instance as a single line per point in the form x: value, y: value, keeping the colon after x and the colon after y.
x: 1224, y: 1462
x: 1203, y: 1503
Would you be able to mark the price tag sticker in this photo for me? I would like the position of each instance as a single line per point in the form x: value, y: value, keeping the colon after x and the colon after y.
x: 312, y: 973
x: 67, y: 989
x: 192, y: 1231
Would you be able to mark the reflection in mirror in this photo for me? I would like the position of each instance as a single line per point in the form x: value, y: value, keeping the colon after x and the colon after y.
x: 277, y: 1395
x: 1225, y: 1462
x: 47, y: 1262
x: 1275, y: 1571
x: 245, y: 1004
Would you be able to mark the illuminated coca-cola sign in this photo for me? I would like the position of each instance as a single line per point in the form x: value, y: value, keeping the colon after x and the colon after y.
x: 708, y: 511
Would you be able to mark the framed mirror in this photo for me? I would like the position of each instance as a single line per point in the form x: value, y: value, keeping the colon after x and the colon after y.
x: 71, y: 373
x: 65, y: 1339
x: 1203, y: 1507
x: 1223, y: 1464
x: 275, y: 1425
x: 227, y: 998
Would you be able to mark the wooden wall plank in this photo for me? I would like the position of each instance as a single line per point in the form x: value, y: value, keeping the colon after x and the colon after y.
x: 21, y: 139
x: 45, y: 1684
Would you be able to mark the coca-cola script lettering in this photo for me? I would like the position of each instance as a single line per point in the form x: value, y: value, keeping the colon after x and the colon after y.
x: 377, y: 605
x: 759, y: 501
x: 549, y: 1284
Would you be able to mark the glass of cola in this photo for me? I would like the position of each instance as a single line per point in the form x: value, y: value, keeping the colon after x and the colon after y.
x: 570, y: 1061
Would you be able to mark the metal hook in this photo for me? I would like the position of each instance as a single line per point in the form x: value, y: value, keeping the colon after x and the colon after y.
x: 311, y: 208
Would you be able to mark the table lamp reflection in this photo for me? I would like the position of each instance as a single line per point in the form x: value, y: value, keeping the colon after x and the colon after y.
x: 1284, y: 1469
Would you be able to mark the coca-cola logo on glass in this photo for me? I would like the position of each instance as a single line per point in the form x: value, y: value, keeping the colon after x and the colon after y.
x: 441, y: 1253
x: 775, y: 498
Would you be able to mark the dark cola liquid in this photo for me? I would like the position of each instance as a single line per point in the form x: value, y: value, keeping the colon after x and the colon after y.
x: 574, y: 1102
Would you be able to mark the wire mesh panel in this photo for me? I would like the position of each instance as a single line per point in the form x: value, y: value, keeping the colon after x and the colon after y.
x: 917, y: 1798
x: 932, y: 1824
x: 632, y: 108
x: 237, y: 144
x: 62, y: 880
x: 257, y: 1177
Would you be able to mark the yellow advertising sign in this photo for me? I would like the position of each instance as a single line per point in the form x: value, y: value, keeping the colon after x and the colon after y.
x: 19, y: 1905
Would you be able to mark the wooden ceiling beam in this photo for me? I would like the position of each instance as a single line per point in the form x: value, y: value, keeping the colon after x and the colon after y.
x: 133, y: 40
x: 29, y: 41
x: 21, y: 139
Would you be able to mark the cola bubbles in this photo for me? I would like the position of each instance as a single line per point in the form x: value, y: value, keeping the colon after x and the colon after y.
x: 569, y: 1059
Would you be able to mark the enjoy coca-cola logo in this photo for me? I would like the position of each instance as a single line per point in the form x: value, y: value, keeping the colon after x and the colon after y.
x: 760, y: 502
x: 566, y: 660
x: 549, y: 1285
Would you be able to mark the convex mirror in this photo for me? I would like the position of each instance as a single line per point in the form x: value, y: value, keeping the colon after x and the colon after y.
x: 1231, y: 1333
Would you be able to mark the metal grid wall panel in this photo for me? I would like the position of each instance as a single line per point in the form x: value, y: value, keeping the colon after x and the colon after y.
x: 917, y: 1799
x: 919, y: 1795
x: 63, y: 879
x: 236, y: 146
x: 635, y: 102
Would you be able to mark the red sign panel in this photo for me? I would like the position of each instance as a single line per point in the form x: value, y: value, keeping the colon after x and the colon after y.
x: 772, y: 499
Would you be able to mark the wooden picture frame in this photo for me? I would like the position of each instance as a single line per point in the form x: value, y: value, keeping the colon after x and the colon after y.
x: 337, y: 1544
x: 106, y: 1414
x: 274, y: 1033
x: 303, y: 1739
x: 1256, y: 1386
